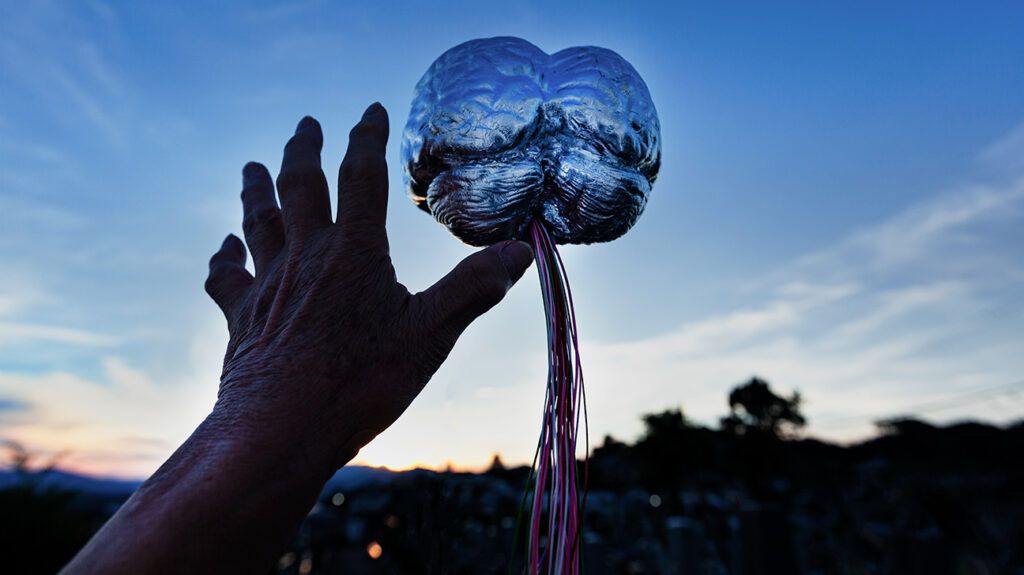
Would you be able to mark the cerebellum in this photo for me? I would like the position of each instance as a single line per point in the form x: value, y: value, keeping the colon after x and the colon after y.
x: 501, y: 134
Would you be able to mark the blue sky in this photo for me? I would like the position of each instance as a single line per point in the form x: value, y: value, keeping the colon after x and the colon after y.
x: 840, y: 210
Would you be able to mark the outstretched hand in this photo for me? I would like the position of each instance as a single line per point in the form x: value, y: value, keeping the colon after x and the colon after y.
x: 324, y: 337
x: 326, y: 350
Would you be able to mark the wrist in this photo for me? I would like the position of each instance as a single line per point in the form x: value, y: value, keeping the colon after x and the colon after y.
x: 299, y: 437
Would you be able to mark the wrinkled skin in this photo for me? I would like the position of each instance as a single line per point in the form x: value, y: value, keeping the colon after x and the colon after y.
x: 326, y: 350
x: 325, y: 308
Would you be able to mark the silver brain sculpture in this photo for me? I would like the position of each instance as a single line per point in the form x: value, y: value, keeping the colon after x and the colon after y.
x: 501, y: 133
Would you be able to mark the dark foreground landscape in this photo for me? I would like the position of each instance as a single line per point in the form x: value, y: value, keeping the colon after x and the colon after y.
x: 748, y: 498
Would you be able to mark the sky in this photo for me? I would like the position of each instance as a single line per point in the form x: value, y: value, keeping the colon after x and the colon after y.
x: 840, y: 211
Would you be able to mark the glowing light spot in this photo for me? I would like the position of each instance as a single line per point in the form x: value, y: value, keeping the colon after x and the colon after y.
x: 306, y: 566
x: 655, y: 500
x: 338, y: 499
x: 374, y: 550
x: 391, y: 522
x: 286, y: 560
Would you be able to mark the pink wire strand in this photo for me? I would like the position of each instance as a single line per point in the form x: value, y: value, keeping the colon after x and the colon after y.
x: 556, y: 488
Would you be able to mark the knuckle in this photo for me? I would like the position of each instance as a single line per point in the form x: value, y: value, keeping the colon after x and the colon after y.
x: 223, y: 258
x: 303, y: 141
x: 485, y: 282
x: 216, y: 261
x: 362, y: 130
x: 257, y: 191
x: 298, y: 175
x: 212, y: 285
x: 363, y: 167
x: 289, y: 178
x: 260, y: 217
x: 226, y: 281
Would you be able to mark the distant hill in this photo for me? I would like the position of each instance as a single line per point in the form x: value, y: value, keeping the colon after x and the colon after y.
x: 66, y: 481
x: 346, y: 478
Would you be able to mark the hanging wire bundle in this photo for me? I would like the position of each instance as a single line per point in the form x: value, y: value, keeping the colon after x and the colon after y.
x: 554, y: 474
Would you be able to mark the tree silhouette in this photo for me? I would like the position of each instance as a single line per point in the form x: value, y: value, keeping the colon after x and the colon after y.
x: 756, y: 409
x: 665, y: 424
x: 497, y: 466
x: 662, y: 452
x: 23, y: 461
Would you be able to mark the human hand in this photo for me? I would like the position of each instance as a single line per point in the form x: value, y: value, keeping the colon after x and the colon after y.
x: 326, y: 348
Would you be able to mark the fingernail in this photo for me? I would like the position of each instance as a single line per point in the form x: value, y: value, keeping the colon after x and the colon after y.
x: 253, y: 171
x: 516, y: 256
x: 305, y: 123
x: 230, y: 241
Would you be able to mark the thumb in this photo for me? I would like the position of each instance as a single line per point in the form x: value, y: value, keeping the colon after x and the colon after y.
x: 476, y: 285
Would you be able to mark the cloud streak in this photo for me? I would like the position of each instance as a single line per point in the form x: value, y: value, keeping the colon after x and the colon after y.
x: 70, y: 71
x: 870, y: 327
x: 919, y: 308
x: 122, y: 422
x: 108, y: 201
x: 31, y: 332
x: 896, y: 314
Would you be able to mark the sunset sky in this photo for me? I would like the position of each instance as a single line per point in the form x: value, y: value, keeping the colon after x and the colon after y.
x: 840, y: 211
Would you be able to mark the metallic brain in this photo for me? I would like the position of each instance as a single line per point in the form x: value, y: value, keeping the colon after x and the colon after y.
x: 501, y: 133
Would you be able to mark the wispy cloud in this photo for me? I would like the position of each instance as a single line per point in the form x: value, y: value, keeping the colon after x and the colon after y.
x: 1006, y: 154
x: 90, y: 106
x: 952, y: 221
x: 898, y: 302
x: 69, y: 70
x: 122, y: 422
x: 21, y: 296
x: 30, y: 332
x: 918, y: 325
x: 917, y: 308
x: 920, y: 307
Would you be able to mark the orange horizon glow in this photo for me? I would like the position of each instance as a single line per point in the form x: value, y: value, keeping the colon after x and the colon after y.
x: 84, y: 466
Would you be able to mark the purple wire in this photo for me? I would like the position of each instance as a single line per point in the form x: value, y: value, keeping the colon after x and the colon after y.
x: 565, y: 398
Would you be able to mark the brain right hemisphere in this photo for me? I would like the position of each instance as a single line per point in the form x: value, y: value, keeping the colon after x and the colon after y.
x: 500, y: 133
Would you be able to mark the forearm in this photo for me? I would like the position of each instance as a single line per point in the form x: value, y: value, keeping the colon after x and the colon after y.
x: 228, y: 500
x: 326, y: 349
